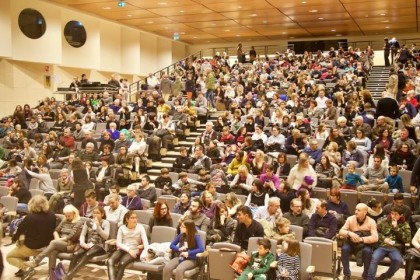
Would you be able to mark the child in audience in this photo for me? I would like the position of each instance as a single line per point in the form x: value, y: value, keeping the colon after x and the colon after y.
x: 259, y: 264
x: 394, y: 180
x: 352, y: 178
x: 164, y: 182
x: 288, y: 264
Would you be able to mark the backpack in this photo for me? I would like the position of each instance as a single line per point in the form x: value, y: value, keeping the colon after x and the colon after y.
x: 57, y: 273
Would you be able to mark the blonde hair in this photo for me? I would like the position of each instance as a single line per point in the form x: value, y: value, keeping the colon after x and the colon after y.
x: 71, y: 209
x: 38, y: 204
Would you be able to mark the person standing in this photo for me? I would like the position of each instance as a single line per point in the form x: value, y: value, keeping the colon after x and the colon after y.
x: 252, y: 54
x: 240, y: 53
x: 387, y: 48
x: 395, y: 46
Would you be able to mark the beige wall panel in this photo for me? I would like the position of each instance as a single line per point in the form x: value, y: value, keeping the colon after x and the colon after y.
x: 5, y: 29
x: 110, y: 46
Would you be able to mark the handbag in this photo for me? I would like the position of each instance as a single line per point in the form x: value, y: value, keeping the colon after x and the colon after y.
x: 161, y: 132
x: 241, y: 261
x: 57, y: 273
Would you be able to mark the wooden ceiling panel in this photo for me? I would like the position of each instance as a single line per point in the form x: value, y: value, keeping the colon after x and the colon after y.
x: 257, y: 19
x: 239, y: 6
x: 213, y: 24
x: 155, y: 4
x: 198, y: 17
x: 171, y: 28
x: 147, y: 21
x: 182, y: 10
x: 269, y: 29
x: 125, y: 14
x: 321, y: 9
x: 103, y: 6
x: 281, y: 4
x: 320, y: 18
x: 265, y: 21
x: 252, y: 14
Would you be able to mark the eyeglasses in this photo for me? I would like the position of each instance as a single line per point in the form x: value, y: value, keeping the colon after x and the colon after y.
x: 163, y: 209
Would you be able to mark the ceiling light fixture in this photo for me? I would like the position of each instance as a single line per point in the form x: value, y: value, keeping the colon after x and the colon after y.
x: 227, y: 30
x: 121, y: 4
x: 162, y: 3
x: 303, y: 2
x: 253, y: 15
x: 106, y: 8
x: 149, y: 22
x: 237, y: 35
x: 129, y: 15
x: 333, y: 30
x: 182, y: 11
x: 382, y: 14
x: 313, y: 11
x: 387, y: 27
x: 320, y: 18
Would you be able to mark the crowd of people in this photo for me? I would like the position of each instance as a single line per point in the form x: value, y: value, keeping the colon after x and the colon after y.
x: 312, y: 108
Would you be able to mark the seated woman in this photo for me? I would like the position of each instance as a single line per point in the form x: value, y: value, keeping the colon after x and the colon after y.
x: 338, y: 207
x: 64, y: 188
x: 257, y: 197
x: 403, y: 158
x: 301, y: 170
x: 232, y: 202
x: 137, y: 152
x: 208, y: 205
x: 222, y: 226
x: 325, y: 173
x: 242, y: 182
x: 187, y: 245
x: 256, y: 162
x: 364, y: 144
x: 379, y: 150
x: 66, y: 236
x: 308, y: 204
x: 183, y: 205
x: 281, y: 166
x: 123, y: 165
x: 92, y: 241
x: 131, y: 240
x: 161, y: 216
x: 352, y: 155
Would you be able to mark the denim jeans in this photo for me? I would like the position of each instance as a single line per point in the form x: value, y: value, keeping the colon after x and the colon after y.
x: 210, y: 97
x: 378, y: 255
x: 347, y: 251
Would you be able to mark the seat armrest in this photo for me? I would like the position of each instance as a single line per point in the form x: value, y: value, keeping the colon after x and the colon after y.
x: 310, y: 269
x: 111, y: 242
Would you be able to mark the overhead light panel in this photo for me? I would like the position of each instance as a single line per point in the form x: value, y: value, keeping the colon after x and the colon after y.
x: 121, y: 4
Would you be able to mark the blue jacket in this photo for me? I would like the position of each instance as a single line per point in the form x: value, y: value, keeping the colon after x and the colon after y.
x: 395, y: 182
x: 192, y: 252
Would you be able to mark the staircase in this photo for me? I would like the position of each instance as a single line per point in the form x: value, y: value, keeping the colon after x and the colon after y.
x: 167, y: 161
x: 378, y: 79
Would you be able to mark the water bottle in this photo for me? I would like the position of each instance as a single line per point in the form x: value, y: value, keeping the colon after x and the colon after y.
x: 404, y: 165
x: 181, y: 258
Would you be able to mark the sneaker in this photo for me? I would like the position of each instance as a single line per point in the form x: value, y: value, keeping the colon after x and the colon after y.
x: 19, y: 273
x: 32, y: 263
x: 28, y: 274
x: 381, y: 277
x: 346, y: 277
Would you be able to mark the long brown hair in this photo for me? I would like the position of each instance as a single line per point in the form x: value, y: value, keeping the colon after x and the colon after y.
x: 156, y: 212
x: 189, y: 236
x: 293, y: 248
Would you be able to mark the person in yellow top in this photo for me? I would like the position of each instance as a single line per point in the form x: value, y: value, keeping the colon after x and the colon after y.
x: 162, y: 108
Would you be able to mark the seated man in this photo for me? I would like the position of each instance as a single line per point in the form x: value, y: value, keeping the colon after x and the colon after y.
x: 313, y: 152
x: 247, y: 227
x: 183, y: 162
x: 360, y: 233
x: 296, y: 216
x: 271, y: 212
x: 194, y: 213
x: 90, y: 203
x: 374, y: 177
x: 146, y: 191
x: 404, y: 139
x: 322, y: 222
x: 275, y: 143
x: 394, y: 232
x: 397, y: 201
